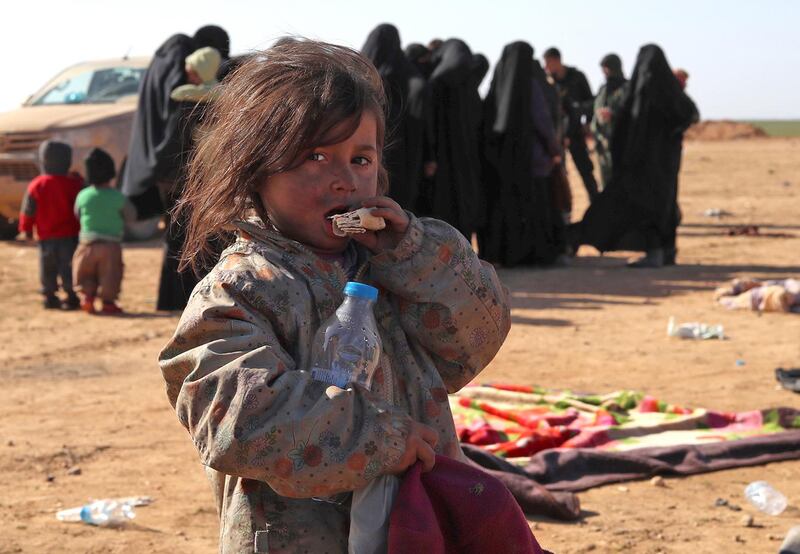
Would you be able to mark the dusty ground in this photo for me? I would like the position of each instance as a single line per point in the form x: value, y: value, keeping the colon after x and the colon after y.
x: 85, y: 392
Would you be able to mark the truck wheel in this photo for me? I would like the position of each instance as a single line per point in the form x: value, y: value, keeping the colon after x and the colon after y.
x: 8, y: 228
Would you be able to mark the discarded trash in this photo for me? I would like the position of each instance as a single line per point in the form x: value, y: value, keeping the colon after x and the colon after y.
x: 764, y: 497
x: 791, y: 544
x: 788, y: 378
x: 694, y: 330
x: 108, y: 512
x: 754, y: 231
x: 775, y: 295
x: 716, y: 212
x: 740, y: 363
x: 658, y: 481
x: 723, y: 503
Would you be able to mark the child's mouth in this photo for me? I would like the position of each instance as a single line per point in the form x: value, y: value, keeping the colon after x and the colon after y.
x: 329, y: 223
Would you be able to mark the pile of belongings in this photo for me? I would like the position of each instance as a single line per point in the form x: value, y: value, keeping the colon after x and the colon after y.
x: 762, y: 296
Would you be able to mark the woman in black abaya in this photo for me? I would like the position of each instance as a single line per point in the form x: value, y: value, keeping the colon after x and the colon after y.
x: 157, y: 155
x: 519, y: 149
x: 153, y: 152
x: 638, y: 210
x: 408, y: 99
x: 456, y: 196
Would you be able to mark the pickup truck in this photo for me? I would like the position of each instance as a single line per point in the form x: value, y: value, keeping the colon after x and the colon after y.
x: 88, y: 105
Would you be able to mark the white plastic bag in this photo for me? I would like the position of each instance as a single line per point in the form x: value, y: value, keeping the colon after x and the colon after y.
x: 369, y: 516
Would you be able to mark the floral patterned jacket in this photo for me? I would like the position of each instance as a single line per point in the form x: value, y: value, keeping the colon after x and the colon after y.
x: 271, y: 437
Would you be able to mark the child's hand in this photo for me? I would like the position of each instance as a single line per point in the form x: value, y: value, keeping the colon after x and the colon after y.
x: 420, y: 442
x: 396, y: 224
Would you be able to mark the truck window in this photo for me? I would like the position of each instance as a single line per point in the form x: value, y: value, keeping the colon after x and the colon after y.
x: 93, y: 86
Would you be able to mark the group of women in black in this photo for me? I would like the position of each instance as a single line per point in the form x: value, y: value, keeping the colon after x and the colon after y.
x: 494, y: 166
x: 491, y: 167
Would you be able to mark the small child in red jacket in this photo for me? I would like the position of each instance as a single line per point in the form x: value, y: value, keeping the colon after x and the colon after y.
x: 48, y: 206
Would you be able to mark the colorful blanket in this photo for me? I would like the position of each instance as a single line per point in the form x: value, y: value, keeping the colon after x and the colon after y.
x: 515, y: 422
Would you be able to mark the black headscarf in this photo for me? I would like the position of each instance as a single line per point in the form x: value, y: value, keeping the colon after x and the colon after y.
x: 456, y: 196
x: 641, y: 198
x: 615, y: 77
x: 521, y: 224
x: 408, y: 99
x: 155, y: 135
x: 215, y: 37
x: 415, y: 52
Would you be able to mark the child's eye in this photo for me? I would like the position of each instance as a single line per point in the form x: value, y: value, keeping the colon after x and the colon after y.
x: 316, y: 157
x: 361, y: 160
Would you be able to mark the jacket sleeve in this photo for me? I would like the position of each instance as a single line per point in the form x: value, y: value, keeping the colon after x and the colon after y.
x: 543, y: 122
x: 27, y: 213
x: 252, y: 413
x: 584, y: 99
x: 449, y: 301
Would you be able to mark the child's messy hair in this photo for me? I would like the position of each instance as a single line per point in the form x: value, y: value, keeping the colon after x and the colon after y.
x: 273, y: 109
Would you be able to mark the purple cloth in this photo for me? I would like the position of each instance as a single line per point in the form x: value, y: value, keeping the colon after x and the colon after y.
x: 457, y: 508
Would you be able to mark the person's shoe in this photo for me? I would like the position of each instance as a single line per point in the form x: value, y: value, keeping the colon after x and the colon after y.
x: 573, y: 240
x: 670, y: 255
x: 562, y: 260
x: 88, y: 304
x: 110, y: 308
x: 52, y: 302
x: 652, y: 259
x: 71, y: 303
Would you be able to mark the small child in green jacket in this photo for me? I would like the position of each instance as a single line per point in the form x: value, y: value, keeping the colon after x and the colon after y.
x: 102, y: 212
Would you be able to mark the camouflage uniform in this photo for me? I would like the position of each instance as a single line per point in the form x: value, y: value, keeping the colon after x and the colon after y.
x: 602, y: 129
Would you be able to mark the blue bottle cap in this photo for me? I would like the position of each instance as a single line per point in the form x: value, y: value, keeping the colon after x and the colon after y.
x: 360, y: 290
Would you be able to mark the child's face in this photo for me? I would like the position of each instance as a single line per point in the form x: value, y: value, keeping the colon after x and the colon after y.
x: 331, y: 180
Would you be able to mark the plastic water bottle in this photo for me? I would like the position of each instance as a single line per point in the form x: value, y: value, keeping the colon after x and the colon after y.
x: 764, y: 497
x: 347, y: 347
x: 104, y: 513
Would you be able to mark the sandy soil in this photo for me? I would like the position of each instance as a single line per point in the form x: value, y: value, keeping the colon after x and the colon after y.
x: 85, y: 392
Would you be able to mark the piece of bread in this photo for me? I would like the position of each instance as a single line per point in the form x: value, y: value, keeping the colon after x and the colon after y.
x: 356, y: 222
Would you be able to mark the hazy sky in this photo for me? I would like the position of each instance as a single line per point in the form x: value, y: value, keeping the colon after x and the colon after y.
x: 743, y: 55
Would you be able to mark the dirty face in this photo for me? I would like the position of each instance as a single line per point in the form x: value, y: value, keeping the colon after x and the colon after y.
x: 332, y: 179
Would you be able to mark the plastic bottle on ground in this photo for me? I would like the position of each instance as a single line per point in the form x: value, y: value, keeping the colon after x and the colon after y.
x: 694, y: 330
x: 764, y: 497
x: 104, y: 513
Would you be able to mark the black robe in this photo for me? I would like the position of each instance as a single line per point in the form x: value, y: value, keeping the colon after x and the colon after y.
x: 456, y: 195
x: 419, y: 55
x: 408, y: 98
x: 153, y: 151
x: 638, y: 209
x: 174, y: 287
x: 523, y: 226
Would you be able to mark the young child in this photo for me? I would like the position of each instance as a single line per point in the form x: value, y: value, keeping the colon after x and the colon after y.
x: 103, y: 212
x: 47, y: 206
x: 295, y: 136
x: 201, y: 72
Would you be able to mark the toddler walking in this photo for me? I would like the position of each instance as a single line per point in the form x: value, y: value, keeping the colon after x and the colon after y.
x: 47, y: 207
x: 103, y: 212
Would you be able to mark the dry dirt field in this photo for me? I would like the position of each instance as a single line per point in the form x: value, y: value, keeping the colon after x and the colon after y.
x: 85, y: 392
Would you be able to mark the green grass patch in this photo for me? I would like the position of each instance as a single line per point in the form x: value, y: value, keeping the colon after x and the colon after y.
x: 778, y: 127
